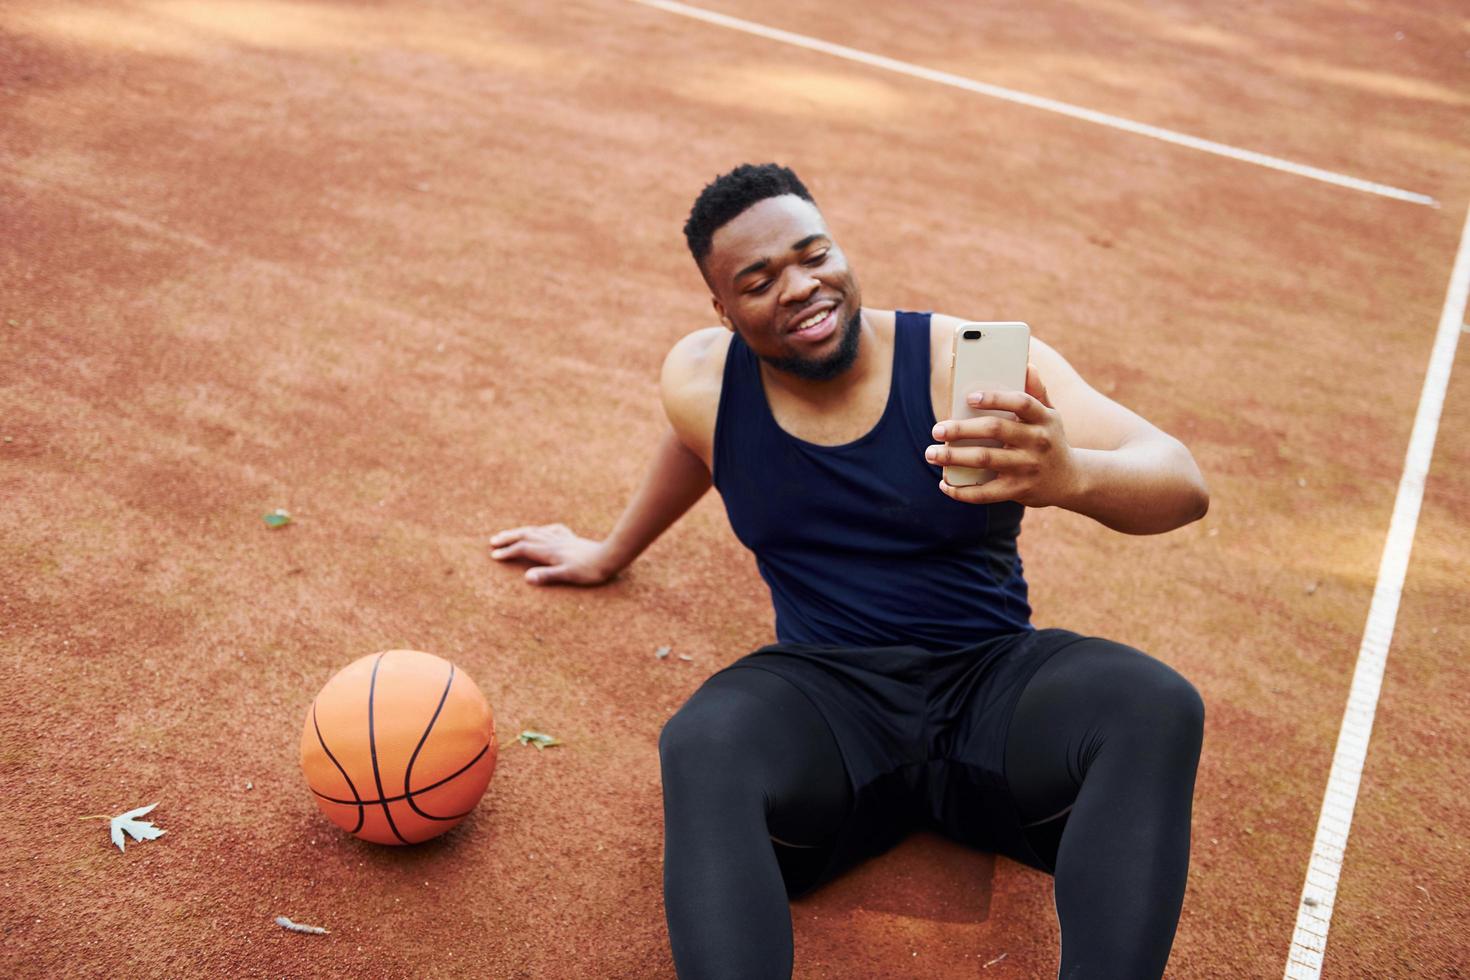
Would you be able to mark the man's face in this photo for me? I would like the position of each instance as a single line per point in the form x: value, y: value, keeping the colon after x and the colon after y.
x: 780, y: 280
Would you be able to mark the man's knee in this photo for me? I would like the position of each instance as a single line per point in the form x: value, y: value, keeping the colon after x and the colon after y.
x: 1131, y: 695
x: 1167, y: 710
x: 709, y: 737
x: 1178, y: 704
x: 685, y: 737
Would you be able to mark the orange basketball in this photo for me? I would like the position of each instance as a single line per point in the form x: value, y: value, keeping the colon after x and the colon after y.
x: 398, y: 747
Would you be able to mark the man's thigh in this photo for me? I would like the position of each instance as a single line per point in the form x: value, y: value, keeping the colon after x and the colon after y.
x: 870, y: 701
x: 968, y: 796
x: 756, y: 730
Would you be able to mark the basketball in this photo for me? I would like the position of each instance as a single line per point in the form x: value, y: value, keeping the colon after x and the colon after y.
x: 398, y: 747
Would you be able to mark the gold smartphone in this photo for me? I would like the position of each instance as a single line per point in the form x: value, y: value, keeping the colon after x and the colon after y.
x: 984, y: 357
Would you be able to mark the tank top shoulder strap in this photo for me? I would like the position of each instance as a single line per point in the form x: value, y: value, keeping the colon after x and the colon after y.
x: 740, y: 363
x: 912, y: 374
x: 739, y: 431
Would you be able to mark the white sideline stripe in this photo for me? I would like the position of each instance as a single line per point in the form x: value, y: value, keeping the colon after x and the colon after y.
x: 1038, y: 102
x: 1314, y: 911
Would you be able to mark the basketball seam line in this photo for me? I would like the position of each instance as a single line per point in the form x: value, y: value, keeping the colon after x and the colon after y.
x: 408, y: 773
x: 417, y: 792
x: 361, y: 811
x: 373, y: 748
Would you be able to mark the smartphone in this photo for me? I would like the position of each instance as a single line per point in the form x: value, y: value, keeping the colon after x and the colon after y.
x: 984, y: 357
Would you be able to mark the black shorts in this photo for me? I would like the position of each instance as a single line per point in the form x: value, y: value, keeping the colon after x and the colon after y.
x: 923, y: 735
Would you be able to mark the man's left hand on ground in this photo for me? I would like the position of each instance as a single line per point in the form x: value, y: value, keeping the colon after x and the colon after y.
x: 1034, y: 465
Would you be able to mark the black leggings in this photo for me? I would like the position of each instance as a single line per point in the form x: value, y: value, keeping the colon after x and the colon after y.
x: 1101, y: 761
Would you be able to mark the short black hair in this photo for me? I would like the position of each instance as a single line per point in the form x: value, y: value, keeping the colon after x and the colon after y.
x: 728, y: 195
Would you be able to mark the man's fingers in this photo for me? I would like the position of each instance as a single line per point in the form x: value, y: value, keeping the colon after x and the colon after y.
x: 1027, y: 408
x: 546, y: 574
x: 981, y: 458
x: 537, y: 551
x: 1035, y: 386
x: 539, y: 535
x: 510, y: 536
x: 993, y: 492
x: 508, y: 551
x: 1001, y: 428
x: 1007, y: 431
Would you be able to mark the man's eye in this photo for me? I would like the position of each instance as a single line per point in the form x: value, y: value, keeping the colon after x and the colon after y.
x: 759, y: 288
x: 818, y: 258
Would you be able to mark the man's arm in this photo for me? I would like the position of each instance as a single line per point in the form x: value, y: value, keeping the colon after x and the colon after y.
x: 1107, y: 463
x: 675, y: 481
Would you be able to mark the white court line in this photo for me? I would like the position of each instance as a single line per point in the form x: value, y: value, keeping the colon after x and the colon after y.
x: 1038, y: 102
x: 1314, y: 912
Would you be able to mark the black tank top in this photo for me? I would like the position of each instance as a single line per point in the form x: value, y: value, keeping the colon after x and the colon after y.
x: 857, y: 542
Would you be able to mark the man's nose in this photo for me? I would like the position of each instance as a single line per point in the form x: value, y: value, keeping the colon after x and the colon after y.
x: 798, y: 286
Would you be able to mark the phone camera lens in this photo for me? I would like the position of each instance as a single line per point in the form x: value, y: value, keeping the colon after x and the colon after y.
x: 971, y: 335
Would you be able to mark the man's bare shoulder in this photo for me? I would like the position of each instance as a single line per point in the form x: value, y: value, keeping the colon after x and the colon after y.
x: 941, y: 333
x: 693, y: 373
x: 697, y: 356
x: 695, y: 366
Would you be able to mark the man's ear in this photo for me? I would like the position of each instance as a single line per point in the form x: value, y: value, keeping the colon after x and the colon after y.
x: 720, y: 312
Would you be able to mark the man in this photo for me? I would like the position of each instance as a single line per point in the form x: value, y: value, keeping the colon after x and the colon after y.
x: 908, y: 688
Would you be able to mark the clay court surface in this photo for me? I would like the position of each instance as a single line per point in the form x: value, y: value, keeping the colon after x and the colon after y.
x: 408, y: 270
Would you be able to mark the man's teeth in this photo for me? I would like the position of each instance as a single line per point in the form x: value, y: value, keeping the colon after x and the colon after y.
x: 813, y: 320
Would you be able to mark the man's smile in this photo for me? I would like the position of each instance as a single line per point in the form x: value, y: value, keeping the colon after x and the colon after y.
x: 814, y: 323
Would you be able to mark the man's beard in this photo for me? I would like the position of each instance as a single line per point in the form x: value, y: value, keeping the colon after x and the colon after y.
x: 831, y: 366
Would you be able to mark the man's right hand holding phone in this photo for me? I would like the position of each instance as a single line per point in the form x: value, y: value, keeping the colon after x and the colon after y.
x: 1034, y: 465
